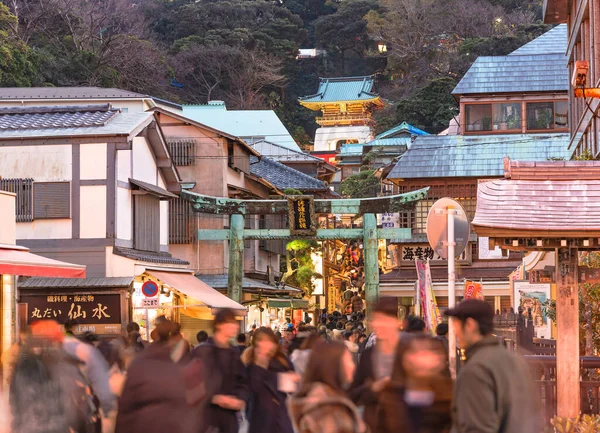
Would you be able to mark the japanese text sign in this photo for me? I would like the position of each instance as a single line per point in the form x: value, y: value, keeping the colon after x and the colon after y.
x: 87, y: 309
x: 302, y: 215
x: 423, y: 252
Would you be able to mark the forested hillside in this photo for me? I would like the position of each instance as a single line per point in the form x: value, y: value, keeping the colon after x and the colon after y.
x: 245, y: 51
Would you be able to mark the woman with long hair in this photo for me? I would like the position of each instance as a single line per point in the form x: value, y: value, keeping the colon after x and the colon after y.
x: 321, y: 406
x: 266, y: 365
x: 419, y: 395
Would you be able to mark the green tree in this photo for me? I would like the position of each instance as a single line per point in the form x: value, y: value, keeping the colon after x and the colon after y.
x: 363, y: 184
x: 430, y: 108
x: 18, y: 63
x: 299, y: 269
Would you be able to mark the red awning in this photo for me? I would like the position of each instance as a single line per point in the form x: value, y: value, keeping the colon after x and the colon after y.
x: 19, y: 261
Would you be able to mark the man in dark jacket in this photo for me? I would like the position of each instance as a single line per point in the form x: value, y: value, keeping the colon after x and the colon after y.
x: 226, y: 381
x: 494, y: 392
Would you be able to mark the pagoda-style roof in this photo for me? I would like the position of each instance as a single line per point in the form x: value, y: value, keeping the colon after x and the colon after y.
x: 549, y: 199
x: 343, y: 89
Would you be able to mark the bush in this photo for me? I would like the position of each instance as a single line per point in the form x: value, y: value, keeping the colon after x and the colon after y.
x: 582, y: 424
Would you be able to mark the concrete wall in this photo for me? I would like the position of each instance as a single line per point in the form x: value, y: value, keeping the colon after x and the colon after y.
x: 326, y: 137
x: 44, y: 163
x: 8, y: 228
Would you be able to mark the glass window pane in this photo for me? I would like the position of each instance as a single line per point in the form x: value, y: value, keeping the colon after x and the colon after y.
x: 561, y: 115
x: 507, y: 116
x: 540, y: 115
x: 479, y: 117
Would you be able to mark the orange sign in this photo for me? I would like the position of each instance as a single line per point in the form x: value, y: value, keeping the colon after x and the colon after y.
x: 473, y: 290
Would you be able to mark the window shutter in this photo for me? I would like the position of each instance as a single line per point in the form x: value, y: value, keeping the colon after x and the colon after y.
x: 183, y: 151
x: 51, y: 200
x: 181, y: 219
x: 146, y: 235
x: 22, y: 188
x: 241, y: 160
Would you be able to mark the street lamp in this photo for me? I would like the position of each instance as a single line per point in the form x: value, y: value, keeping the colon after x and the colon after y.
x: 382, y: 47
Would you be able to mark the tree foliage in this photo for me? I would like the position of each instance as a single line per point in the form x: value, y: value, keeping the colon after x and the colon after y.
x: 363, y: 184
x: 18, y: 63
x: 299, y: 269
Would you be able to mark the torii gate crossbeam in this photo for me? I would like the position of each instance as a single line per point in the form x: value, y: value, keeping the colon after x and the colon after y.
x: 370, y: 234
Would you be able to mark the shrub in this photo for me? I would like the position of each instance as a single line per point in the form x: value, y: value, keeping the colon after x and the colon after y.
x: 582, y: 424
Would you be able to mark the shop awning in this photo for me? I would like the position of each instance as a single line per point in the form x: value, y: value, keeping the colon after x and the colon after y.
x: 19, y: 261
x: 201, y: 294
x: 297, y: 304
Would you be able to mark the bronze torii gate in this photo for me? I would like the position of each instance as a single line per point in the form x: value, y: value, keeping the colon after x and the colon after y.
x: 302, y: 224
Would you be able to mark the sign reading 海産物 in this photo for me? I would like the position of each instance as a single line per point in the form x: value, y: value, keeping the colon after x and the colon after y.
x: 301, y: 217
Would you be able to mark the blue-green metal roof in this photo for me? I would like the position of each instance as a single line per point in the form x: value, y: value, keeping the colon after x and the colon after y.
x: 403, y: 127
x: 343, y: 89
x: 551, y: 42
x: 478, y: 156
x: 249, y: 125
x: 539, y: 66
x: 351, y: 149
x: 396, y: 141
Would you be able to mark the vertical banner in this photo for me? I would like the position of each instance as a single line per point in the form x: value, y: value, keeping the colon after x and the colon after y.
x: 473, y: 290
x: 421, y: 281
x: 430, y: 312
x: 433, y: 313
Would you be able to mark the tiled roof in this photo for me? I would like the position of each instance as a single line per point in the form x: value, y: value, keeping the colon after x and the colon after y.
x: 22, y: 118
x: 539, y: 66
x: 510, y: 74
x: 249, y: 125
x: 75, y: 283
x: 283, y: 177
x: 66, y: 93
x: 281, y: 153
x: 343, y: 89
x: 403, y: 127
x: 551, y: 42
x: 148, y: 256
x: 220, y: 282
x: 50, y: 122
x: 434, y: 156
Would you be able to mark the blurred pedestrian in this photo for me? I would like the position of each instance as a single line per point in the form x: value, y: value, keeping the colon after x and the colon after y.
x: 321, y: 405
x: 415, y: 325
x: 494, y: 392
x: 350, y: 340
x: 286, y: 341
x: 201, y: 338
x: 226, y: 381
x: 154, y: 397
x: 442, y: 334
x: 48, y: 391
x: 242, y: 342
x: 419, y: 395
x: 376, y: 363
x: 94, y: 367
x: 181, y: 348
x: 357, y: 303
x: 267, y: 366
x: 301, y: 356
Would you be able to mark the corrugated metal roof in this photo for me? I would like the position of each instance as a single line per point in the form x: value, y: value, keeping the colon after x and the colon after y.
x: 508, y: 206
x: 343, y: 89
x: 403, y: 127
x: 478, y: 156
x: 281, y: 153
x: 221, y: 282
x: 119, y: 124
x: 284, y: 177
x: 249, y: 125
x: 351, y: 149
x: 75, y: 283
x: 396, y: 141
x: 551, y: 42
x: 509, y: 74
x: 67, y: 93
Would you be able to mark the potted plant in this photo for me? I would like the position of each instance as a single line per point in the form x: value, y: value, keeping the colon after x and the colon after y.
x: 486, y: 122
x: 545, y: 120
x: 514, y: 122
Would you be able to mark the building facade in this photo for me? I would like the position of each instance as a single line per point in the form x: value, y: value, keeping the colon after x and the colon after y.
x: 507, y: 110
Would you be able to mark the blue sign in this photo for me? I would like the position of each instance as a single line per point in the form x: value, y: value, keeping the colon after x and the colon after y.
x: 150, y: 289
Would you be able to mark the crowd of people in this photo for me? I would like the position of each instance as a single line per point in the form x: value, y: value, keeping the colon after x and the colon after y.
x: 330, y: 378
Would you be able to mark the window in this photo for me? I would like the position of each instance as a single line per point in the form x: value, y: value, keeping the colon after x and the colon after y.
x: 507, y: 117
x: 182, y: 151
x: 543, y: 116
x: 22, y: 188
x: 479, y: 117
x: 146, y: 211
x: 51, y: 200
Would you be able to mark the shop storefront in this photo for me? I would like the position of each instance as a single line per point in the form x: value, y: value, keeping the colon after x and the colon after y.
x: 274, y: 313
x: 181, y: 297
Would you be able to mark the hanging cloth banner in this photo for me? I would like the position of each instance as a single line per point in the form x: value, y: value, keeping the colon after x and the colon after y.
x: 473, y: 290
x: 430, y: 312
